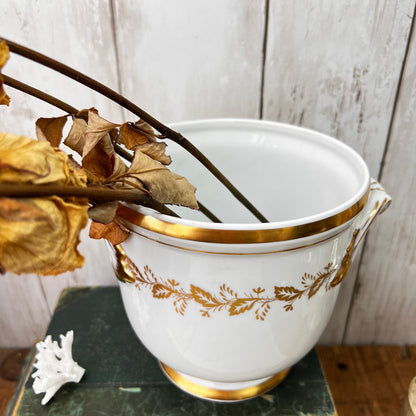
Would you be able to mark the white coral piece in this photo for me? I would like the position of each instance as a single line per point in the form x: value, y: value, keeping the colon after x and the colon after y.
x: 55, y: 366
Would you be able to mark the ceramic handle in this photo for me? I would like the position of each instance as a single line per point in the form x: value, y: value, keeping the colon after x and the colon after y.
x: 377, y: 203
x: 119, y: 264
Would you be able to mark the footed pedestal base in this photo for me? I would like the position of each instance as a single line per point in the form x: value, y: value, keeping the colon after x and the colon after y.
x: 223, y: 392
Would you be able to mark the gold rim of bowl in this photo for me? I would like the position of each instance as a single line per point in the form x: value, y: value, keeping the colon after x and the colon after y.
x: 223, y: 395
x: 243, y: 236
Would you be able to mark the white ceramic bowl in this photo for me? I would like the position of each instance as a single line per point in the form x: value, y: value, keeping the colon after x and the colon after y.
x: 228, y: 308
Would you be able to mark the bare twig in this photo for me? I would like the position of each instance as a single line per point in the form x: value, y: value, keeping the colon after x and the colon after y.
x: 208, y: 213
x: 93, y: 193
x: 21, y: 86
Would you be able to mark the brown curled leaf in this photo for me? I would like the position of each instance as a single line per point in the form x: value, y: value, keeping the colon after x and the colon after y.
x: 156, y: 151
x: 97, y: 129
x: 112, y: 232
x: 45, y: 242
x: 26, y: 160
x: 131, y: 136
x: 99, y: 164
x: 20, y: 210
x: 164, y: 186
x: 103, y: 213
x: 76, y: 136
x: 141, y: 136
x: 50, y: 129
x: 39, y: 235
x: 84, y: 113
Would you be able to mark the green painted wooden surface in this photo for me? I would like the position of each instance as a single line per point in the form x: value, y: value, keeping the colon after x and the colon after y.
x: 122, y: 378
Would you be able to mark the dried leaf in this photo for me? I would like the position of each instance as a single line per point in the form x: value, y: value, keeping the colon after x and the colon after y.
x: 99, y: 158
x: 73, y: 164
x: 39, y: 235
x: 98, y: 164
x: 102, y: 166
x: 111, y: 232
x: 50, y: 129
x: 164, y: 186
x: 103, y: 213
x: 156, y: 151
x: 4, y: 56
x: 97, y: 129
x: 119, y: 168
x: 44, y: 244
x: 144, y: 127
x: 76, y: 136
x: 84, y: 113
x: 100, y: 161
x: 131, y: 136
x: 29, y: 161
x: 141, y: 136
x: 20, y: 210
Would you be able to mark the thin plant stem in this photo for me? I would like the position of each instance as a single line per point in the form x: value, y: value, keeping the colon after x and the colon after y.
x: 160, y: 127
x: 93, y: 193
x: 208, y: 213
x: 21, y: 86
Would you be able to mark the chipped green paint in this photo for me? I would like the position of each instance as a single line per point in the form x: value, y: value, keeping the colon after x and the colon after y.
x: 131, y: 389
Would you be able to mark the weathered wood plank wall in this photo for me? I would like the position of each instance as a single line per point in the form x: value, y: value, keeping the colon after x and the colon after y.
x: 185, y: 60
x: 79, y: 34
x: 383, y: 306
x: 332, y: 66
x: 335, y: 67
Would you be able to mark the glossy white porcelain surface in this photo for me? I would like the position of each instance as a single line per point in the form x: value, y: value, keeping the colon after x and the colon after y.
x: 212, y: 310
x: 291, y: 174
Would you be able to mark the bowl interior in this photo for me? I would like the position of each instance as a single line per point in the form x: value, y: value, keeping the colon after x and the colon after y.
x: 288, y: 173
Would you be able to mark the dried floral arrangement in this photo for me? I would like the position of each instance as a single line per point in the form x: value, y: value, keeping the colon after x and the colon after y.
x: 46, y: 197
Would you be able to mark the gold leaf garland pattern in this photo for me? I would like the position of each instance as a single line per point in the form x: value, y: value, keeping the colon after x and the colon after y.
x: 311, y: 284
x: 227, y: 299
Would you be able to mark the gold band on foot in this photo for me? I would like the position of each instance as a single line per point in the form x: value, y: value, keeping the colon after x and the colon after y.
x: 219, y: 394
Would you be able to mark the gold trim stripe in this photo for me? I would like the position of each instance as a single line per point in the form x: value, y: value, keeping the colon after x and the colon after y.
x: 223, y: 395
x: 237, y: 254
x: 211, y: 235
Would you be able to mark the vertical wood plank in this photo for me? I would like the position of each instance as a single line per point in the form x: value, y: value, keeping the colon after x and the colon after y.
x: 78, y: 34
x: 334, y: 67
x: 24, y: 312
x: 188, y: 59
x: 384, y: 308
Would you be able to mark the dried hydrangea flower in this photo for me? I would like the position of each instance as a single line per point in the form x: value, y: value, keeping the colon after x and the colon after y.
x: 39, y: 235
